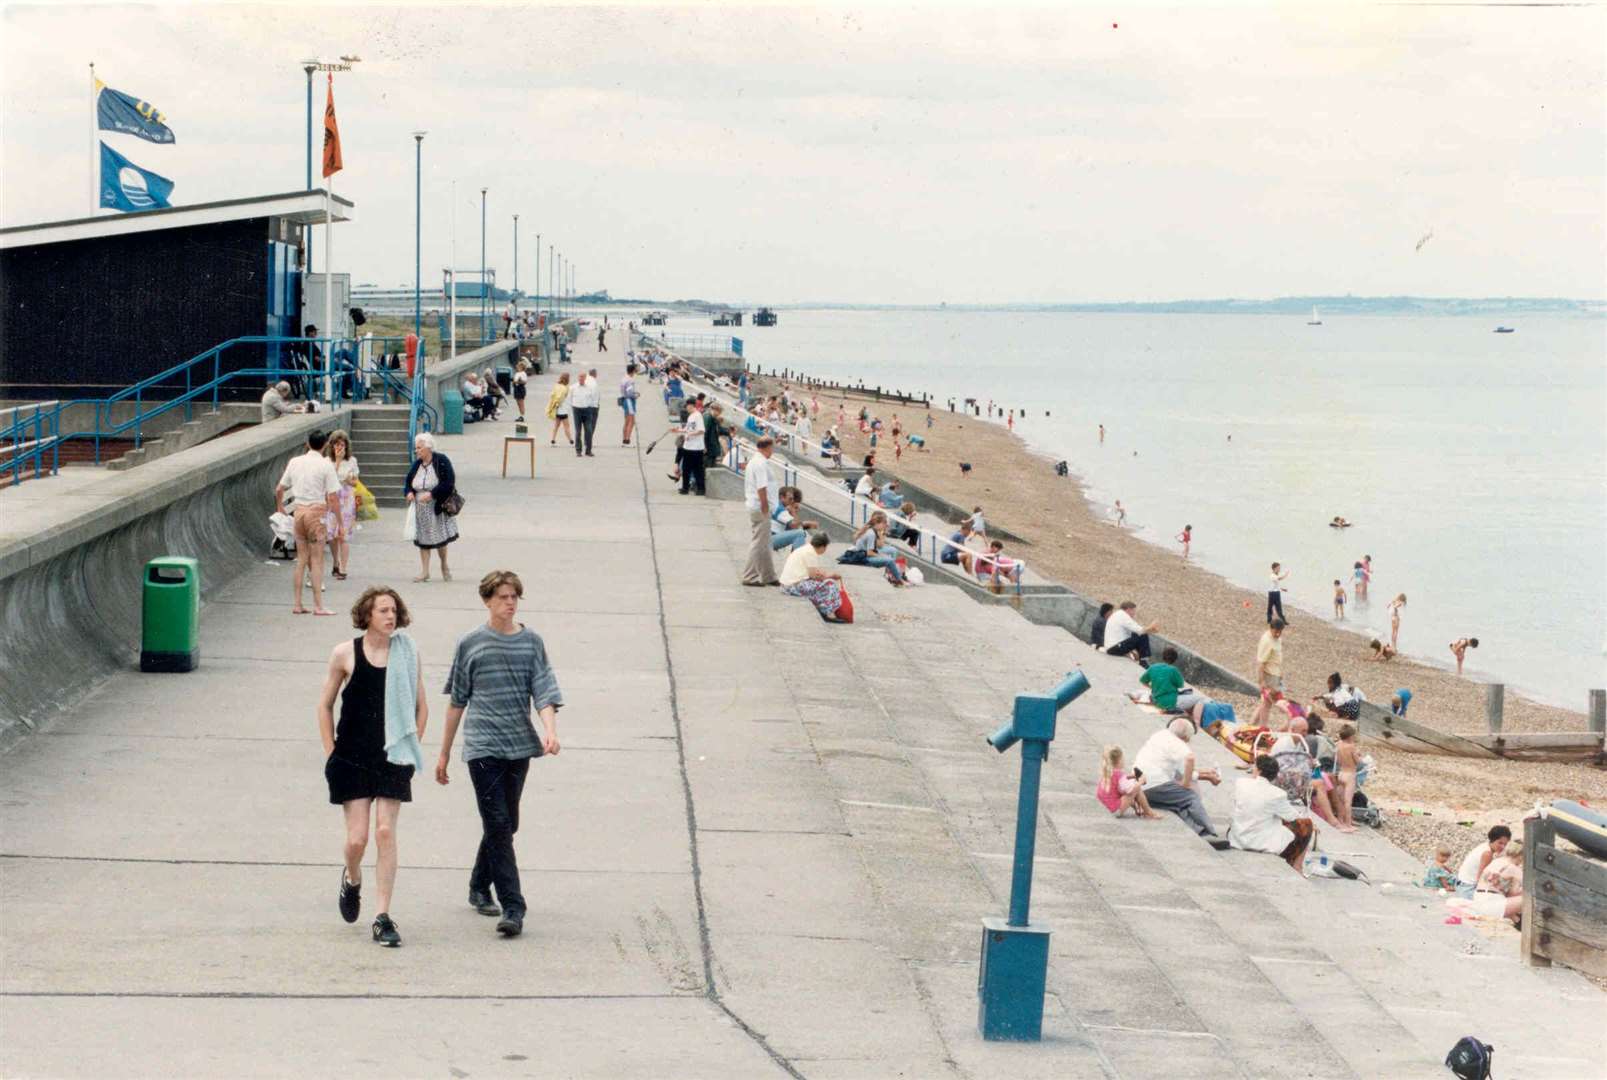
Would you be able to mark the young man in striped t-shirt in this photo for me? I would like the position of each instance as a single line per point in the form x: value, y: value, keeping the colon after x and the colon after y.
x: 500, y: 670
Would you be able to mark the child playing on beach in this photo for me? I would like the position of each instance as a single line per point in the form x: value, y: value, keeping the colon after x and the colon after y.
x: 1117, y: 790
x: 1394, y: 609
x: 1358, y: 582
x: 1459, y: 649
x: 1346, y: 759
x: 1366, y: 576
x: 1119, y: 514
x: 1381, y: 651
x: 1185, y: 538
x: 1339, y: 600
x: 1440, y: 875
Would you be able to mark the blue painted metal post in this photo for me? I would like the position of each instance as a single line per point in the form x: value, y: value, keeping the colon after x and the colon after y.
x: 1015, y: 953
x: 418, y: 233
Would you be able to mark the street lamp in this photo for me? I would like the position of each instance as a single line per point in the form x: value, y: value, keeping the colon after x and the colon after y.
x: 483, y: 323
x: 515, y: 294
x: 418, y: 230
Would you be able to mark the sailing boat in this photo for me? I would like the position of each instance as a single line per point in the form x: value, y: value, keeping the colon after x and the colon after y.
x: 1315, y: 320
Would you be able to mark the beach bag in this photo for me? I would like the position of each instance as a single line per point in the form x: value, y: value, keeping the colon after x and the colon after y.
x: 845, y: 610
x: 1470, y: 1059
x: 852, y: 557
x: 367, y: 506
x: 914, y: 576
x: 410, y: 523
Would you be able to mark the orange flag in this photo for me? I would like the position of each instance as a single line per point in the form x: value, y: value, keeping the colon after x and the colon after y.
x: 331, y: 135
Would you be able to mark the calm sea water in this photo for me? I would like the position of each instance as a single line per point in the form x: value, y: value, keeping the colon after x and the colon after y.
x: 1473, y: 464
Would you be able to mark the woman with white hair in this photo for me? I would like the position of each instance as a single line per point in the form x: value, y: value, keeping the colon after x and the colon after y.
x: 430, y: 487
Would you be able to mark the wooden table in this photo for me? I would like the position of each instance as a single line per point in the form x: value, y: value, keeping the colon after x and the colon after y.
x: 509, y: 439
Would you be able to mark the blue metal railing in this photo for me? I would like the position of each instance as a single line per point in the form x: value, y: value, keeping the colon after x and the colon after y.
x: 421, y: 415
x: 32, y: 435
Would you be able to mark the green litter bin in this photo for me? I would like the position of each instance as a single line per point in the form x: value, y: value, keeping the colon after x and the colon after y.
x: 451, y: 412
x: 171, y: 606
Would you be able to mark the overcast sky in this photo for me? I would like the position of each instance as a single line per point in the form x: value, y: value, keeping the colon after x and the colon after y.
x: 788, y: 154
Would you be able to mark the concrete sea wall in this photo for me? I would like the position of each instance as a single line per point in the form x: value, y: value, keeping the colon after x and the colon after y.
x: 70, y: 565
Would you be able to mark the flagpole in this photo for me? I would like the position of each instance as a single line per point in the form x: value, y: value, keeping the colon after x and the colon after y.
x: 94, y: 144
x: 329, y: 287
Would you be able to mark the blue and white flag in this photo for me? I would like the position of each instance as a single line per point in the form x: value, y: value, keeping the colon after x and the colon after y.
x: 124, y: 113
x: 125, y: 186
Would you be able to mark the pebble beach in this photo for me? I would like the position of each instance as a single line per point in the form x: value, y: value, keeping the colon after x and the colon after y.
x: 1429, y: 800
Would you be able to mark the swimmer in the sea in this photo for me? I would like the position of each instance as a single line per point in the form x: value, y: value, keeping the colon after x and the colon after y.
x: 1185, y: 538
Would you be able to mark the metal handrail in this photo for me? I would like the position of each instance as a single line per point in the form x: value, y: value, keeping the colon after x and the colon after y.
x: 40, y: 444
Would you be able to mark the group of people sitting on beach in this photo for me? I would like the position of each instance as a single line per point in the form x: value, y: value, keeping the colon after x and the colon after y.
x: 1488, y: 882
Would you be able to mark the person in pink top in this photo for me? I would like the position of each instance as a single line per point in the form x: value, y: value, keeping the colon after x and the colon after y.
x: 1119, y: 791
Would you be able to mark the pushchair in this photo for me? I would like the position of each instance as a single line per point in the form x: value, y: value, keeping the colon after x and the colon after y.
x: 283, y: 527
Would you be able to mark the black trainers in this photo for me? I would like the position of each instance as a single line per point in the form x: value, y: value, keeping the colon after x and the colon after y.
x: 482, y: 902
x: 511, y: 924
x: 385, y: 931
x: 351, y: 898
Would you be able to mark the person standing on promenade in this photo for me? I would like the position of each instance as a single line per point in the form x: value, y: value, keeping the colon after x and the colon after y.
x: 602, y: 339
x: 1394, y: 610
x: 340, y: 526
x: 1459, y: 649
x: 756, y: 489
x: 370, y: 758
x: 521, y: 385
x: 584, y: 400
x: 1186, y: 537
x: 430, y: 483
x: 1275, y: 592
x: 498, y: 672
x: 314, y: 489
x: 1269, y: 670
x: 558, y: 409
x: 627, y: 401
x: 692, y: 445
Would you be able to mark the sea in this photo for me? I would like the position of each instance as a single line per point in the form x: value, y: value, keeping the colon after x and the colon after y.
x: 1472, y: 465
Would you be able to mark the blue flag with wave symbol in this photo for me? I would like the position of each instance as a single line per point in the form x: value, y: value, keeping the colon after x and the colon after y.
x: 128, y: 115
x: 127, y: 187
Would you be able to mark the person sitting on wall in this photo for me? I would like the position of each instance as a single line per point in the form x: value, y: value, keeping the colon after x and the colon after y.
x: 276, y: 402
x: 957, y: 551
x: 1096, y: 634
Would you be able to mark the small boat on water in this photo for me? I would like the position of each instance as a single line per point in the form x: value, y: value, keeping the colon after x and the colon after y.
x: 1315, y: 320
x: 1503, y: 329
x: 764, y: 317
x: 655, y: 318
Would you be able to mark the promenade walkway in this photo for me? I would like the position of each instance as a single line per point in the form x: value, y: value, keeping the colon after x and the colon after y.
x: 765, y: 849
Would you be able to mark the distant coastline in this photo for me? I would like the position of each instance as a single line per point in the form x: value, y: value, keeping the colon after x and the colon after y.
x: 1331, y: 306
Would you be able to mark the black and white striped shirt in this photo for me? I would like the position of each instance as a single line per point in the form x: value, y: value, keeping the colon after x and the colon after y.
x: 498, y: 677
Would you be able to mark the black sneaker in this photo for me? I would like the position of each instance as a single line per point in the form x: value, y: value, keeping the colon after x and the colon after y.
x: 511, y: 924
x: 351, y: 898
x: 385, y: 931
x: 482, y: 902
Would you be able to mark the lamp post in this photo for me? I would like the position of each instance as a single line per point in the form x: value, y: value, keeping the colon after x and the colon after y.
x: 418, y: 230
x: 482, y: 268
x: 538, y: 275
x: 515, y: 259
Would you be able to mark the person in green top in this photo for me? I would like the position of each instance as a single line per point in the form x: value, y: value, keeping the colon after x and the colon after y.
x: 1167, y: 690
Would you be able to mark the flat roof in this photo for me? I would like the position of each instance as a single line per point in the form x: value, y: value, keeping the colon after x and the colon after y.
x: 301, y: 207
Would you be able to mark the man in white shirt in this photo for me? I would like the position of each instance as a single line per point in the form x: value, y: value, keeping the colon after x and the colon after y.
x: 692, y: 447
x: 756, y: 489
x: 1265, y: 820
x: 584, y: 401
x: 314, y: 491
x: 1166, y: 766
x: 1124, y: 636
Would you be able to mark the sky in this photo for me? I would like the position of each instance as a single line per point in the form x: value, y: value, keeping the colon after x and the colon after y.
x: 911, y: 155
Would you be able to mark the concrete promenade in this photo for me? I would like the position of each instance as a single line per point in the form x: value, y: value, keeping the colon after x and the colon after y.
x: 765, y: 849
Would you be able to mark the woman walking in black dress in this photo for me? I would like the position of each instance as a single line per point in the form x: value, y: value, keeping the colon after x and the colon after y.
x: 371, y: 756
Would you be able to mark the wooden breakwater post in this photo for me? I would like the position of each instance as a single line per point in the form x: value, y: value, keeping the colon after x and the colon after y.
x: 1494, y: 700
x: 1564, y: 903
x: 1598, y: 712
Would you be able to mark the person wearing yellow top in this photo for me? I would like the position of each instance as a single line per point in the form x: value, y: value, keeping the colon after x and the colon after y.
x: 558, y: 409
x: 1269, y: 669
x: 805, y: 574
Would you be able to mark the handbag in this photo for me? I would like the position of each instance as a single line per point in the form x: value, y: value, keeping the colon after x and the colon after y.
x: 452, y: 505
x: 845, y: 610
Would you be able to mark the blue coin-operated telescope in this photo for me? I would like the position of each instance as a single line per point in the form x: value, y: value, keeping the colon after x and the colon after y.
x: 1015, y: 953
